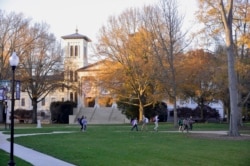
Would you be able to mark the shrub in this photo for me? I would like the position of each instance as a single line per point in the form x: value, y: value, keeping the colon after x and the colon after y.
x: 60, y: 111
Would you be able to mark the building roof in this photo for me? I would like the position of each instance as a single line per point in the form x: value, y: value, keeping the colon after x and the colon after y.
x: 76, y: 36
x: 93, y: 65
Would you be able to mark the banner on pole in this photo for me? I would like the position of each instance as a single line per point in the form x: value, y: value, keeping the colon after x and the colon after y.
x: 5, y: 89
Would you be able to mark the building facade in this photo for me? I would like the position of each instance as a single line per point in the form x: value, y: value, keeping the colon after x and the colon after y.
x: 75, y: 56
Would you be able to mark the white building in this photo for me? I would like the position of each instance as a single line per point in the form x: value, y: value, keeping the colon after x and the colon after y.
x: 189, y: 103
x: 76, y: 56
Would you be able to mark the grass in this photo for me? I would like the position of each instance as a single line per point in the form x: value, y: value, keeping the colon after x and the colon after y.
x: 116, y: 145
x: 5, y: 158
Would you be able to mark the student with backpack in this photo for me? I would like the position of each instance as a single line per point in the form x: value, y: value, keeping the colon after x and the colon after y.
x: 180, y: 123
x: 84, y: 123
x: 80, y: 122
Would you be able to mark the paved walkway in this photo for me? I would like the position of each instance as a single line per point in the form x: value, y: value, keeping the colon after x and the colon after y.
x: 29, y: 155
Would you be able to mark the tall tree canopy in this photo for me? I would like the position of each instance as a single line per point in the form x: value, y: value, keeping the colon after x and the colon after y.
x: 126, y: 43
x: 39, y: 52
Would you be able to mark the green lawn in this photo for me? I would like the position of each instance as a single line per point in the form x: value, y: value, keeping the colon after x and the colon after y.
x: 113, y: 145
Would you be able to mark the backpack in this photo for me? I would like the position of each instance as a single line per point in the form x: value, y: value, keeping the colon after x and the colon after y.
x: 132, y: 122
x: 180, y: 122
x: 80, y: 121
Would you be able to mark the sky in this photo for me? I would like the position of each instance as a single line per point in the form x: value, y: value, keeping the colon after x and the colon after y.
x: 88, y: 16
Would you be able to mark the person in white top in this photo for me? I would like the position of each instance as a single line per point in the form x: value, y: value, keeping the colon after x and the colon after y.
x: 134, y: 124
x: 144, y: 123
x: 156, y: 120
x: 84, y: 123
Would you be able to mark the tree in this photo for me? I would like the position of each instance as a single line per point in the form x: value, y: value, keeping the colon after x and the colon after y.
x: 40, y: 56
x: 12, y: 30
x: 199, y: 72
x: 164, y: 22
x: 40, y: 65
x: 126, y: 43
x: 221, y: 79
x: 221, y: 17
x: 241, y: 41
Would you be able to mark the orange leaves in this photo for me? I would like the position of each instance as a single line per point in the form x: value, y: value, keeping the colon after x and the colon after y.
x: 244, y: 40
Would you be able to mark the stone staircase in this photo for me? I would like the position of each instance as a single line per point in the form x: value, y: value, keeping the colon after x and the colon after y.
x: 100, y: 115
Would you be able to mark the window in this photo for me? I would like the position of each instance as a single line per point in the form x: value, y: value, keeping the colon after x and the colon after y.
x: 23, y: 102
x: 71, y: 75
x: 53, y: 99
x: 43, y: 102
x: 85, y: 51
x: 76, y: 50
x: 75, y: 76
x: 63, y: 99
x: 76, y: 97
x: 71, y: 50
x: 62, y: 88
x: 71, y: 96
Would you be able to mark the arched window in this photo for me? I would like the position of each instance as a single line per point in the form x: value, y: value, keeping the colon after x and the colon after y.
x: 71, y: 96
x: 71, y: 51
x: 62, y: 88
x: 71, y: 75
x: 43, y: 102
x: 76, y: 50
x: 76, y: 97
x: 76, y: 77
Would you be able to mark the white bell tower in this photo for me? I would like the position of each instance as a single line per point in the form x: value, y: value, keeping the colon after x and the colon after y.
x: 75, y: 57
x: 76, y: 49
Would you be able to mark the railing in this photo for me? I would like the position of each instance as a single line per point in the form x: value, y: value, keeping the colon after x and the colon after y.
x: 93, y: 114
x: 110, y: 116
x: 78, y: 113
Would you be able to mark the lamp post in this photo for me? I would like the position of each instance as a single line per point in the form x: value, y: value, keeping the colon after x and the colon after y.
x: 14, y: 60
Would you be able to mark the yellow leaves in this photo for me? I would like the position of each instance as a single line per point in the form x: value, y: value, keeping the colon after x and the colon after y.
x: 244, y: 40
x: 242, y: 68
x: 212, y: 11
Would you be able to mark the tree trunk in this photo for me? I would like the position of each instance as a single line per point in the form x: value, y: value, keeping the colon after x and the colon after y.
x: 141, y: 111
x: 175, y: 114
x: 34, y: 115
x: 240, y: 122
x: 233, y: 128
x: 201, y: 105
x: 227, y: 19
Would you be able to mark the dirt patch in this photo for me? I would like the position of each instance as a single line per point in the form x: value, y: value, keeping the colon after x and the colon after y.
x: 217, y: 136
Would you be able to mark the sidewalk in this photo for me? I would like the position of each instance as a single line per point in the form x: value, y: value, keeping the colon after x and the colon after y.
x: 29, y: 155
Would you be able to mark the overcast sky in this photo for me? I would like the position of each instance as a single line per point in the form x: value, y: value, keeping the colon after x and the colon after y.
x: 88, y: 16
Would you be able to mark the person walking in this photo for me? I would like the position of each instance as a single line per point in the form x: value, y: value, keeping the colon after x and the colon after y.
x: 84, y: 123
x: 134, y: 124
x: 144, y: 123
x: 180, y: 123
x: 80, y: 122
x: 156, y: 120
x: 190, y: 121
x: 185, y: 125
